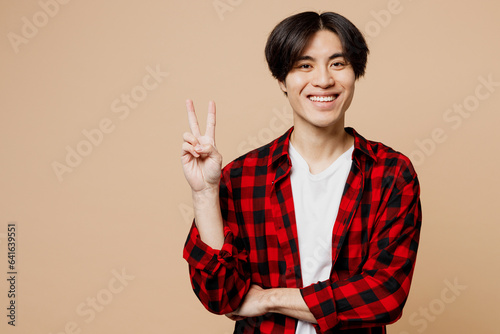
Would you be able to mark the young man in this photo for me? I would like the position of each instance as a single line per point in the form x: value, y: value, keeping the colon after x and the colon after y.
x: 318, y: 230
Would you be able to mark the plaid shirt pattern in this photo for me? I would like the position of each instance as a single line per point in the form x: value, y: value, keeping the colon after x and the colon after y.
x: 374, y: 244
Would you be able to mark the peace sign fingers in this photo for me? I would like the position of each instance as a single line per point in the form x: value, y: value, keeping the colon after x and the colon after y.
x: 210, y: 131
x: 201, y: 160
x: 193, y: 120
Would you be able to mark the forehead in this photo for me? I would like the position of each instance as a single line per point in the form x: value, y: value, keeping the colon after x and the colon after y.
x: 323, y: 41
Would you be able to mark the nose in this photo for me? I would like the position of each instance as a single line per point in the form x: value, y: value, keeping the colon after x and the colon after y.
x: 323, y: 78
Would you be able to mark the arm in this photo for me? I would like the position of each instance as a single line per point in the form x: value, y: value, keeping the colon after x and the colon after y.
x: 376, y: 295
x: 207, y: 216
x: 287, y: 301
x: 202, y: 168
x: 220, y: 278
x: 373, y: 297
x: 215, y: 255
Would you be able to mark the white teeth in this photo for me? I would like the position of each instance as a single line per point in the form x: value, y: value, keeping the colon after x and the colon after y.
x: 322, y: 98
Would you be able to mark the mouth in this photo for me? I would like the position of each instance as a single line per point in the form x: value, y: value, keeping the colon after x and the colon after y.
x: 327, y: 98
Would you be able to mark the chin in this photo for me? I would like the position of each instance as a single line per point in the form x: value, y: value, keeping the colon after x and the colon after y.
x: 327, y: 121
x: 324, y: 124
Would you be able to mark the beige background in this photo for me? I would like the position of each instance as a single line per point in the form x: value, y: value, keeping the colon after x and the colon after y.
x: 126, y: 206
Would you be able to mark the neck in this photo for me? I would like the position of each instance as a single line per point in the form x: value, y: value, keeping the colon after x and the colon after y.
x: 321, y: 146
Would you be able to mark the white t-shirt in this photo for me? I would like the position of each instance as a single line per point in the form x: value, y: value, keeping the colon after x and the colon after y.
x: 316, y: 200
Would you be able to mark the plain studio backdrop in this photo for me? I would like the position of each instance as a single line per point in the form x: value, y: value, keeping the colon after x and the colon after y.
x: 92, y: 116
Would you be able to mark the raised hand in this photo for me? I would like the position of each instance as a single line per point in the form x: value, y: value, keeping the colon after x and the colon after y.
x: 201, y: 161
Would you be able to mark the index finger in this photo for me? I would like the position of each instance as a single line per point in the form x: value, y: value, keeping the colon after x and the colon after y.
x: 210, y: 131
x: 193, y: 120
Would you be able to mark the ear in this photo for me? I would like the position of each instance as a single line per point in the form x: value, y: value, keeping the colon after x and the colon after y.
x: 282, y: 86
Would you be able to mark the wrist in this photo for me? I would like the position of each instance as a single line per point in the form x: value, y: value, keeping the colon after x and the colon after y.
x: 208, y: 193
x: 272, y: 300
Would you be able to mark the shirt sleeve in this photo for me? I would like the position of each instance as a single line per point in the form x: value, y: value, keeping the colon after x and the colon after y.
x: 220, y: 278
x: 376, y: 295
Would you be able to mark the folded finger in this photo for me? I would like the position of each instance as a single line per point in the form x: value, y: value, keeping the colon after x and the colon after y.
x: 190, y: 138
x: 189, y: 149
x: 234, y: 317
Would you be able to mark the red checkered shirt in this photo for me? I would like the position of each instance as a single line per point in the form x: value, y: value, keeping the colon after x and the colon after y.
x: 374, y: 244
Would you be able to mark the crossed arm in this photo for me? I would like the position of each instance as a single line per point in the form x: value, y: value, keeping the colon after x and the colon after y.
x: 287, y: 301
x: 372, y: 297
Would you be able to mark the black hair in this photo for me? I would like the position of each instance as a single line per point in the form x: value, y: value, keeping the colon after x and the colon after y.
x: 289, y: 38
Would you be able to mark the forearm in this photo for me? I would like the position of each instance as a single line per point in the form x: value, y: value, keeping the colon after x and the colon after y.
x: 218, y: 269
x: 286, y: 301
x: 208, y: 217
x: 289, y: 302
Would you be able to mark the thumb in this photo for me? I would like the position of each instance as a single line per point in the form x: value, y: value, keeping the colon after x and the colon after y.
x: 209, y: 151
x: 203, y: 148
x: 206, y: 150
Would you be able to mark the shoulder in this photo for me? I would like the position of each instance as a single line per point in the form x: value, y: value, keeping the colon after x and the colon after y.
x: 259, y: 160
x: 382, y: 160
x: 389, y: 157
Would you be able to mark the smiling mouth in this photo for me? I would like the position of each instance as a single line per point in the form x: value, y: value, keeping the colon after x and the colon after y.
x: 329, y: 98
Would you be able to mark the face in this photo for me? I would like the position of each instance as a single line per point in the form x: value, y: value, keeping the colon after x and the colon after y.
x: 320, y: 85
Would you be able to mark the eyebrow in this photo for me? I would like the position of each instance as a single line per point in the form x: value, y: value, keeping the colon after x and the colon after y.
x: 333, y: 56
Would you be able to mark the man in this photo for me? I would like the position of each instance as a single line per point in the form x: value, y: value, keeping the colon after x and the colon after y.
x: 318, y: 230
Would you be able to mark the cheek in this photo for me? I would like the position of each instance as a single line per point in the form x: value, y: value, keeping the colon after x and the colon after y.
x: 349, y: 86
x: 295, y: 83
x: 346, y: 78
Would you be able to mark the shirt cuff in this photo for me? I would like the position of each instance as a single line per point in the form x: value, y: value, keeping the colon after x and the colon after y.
x: 200, y: 256
x: 319, y: 298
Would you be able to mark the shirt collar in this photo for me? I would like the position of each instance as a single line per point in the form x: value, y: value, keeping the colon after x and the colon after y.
x: 362, y: 147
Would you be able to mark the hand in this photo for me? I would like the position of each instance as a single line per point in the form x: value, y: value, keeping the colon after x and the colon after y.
x: 255, y: 304
x: 201, y: 161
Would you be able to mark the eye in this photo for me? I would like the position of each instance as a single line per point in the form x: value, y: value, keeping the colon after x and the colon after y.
x: 305, y: 66
x: 338, y: 64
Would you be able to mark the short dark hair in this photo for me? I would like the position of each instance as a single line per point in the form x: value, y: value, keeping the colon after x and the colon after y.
x: 289, y: 38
